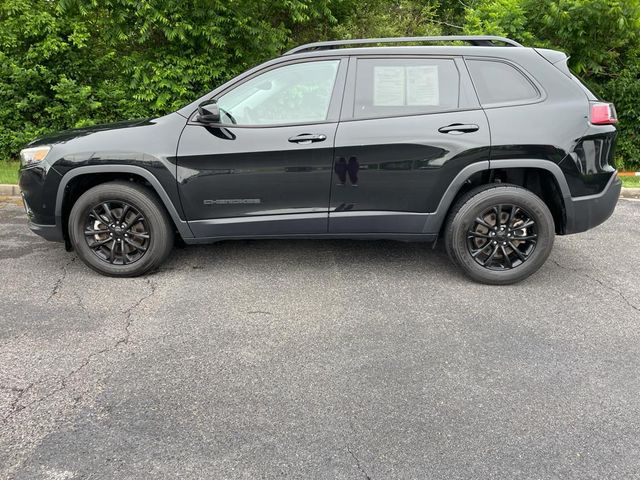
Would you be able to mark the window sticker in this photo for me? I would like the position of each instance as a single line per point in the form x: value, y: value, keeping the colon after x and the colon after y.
x: 406, y: 86
x: 422, y: 85
x: 388, y: 86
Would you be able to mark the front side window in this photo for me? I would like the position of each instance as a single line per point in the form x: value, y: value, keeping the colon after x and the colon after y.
x: 296, y: 93
x: 405, y: 86
x: 499, y: 82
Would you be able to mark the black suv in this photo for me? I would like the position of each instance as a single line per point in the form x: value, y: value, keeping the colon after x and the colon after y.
x: 494, y: 146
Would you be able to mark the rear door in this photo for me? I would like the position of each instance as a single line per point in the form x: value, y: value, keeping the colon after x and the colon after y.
x: 409, y: 125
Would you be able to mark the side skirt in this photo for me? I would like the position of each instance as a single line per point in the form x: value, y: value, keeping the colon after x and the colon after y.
x: 404, y: 226
x: 403, y: 237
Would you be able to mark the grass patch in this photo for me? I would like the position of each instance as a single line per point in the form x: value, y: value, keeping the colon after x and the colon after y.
x: 631, y: 182
x: 9, y: 172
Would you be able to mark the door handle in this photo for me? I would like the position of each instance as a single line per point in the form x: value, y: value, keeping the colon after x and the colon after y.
x: 305, y: 138
x: 459, y: 128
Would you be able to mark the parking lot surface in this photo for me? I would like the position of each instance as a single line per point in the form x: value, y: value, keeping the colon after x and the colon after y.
x: 320, y: 359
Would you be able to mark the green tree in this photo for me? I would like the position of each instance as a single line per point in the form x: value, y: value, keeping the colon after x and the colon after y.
x: 76, y: 62
x: 69, y: 63
x: 385, y: 18
x: 41, y: 56
x: 602, y: 38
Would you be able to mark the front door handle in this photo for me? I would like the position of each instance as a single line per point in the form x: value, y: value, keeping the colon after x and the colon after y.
x: 459, y: 128
x: 305, y: 138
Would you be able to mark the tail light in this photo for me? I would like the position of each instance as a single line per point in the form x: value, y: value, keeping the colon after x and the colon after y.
x: 603, y: 114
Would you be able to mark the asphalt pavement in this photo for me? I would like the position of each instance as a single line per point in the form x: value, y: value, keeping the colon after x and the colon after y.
x: 320, y: 360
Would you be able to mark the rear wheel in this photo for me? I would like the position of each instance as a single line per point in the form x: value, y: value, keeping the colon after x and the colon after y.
x: 499, y: 234
x: 120, y: 229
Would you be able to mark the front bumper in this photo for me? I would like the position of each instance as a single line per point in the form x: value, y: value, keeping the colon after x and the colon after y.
x: 53, y: 233
x: 39, y: 186
x: 584, y: 213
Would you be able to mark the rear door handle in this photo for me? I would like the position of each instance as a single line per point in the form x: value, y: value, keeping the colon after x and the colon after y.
x: 458, y: 128
x: 308, y: 138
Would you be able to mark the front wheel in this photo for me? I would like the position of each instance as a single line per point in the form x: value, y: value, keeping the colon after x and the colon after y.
x: 499, y: 234
x: 120, y: 229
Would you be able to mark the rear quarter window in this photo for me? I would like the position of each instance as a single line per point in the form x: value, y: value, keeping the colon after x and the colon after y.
x: 499, y: 82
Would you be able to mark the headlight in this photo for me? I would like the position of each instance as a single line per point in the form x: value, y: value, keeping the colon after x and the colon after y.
x: 29, y: 156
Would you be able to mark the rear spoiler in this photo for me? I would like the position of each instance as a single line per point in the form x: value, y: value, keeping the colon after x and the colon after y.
x: 555, y: 58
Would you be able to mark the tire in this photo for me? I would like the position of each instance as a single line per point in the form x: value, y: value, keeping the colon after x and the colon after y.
x: 520, y: 242
x: 139, y: 248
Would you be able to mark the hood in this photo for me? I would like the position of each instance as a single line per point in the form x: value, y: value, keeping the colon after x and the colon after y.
x: 66, y: 135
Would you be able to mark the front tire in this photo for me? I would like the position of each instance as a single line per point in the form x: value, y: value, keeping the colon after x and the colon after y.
x: 120, y: 229
x: 499, y: 234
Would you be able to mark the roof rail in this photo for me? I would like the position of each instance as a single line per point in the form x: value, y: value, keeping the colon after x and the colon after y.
x: 475, y: 40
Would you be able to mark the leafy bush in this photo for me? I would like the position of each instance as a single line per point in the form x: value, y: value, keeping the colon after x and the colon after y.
x: 76, y: 62
x: 602, y: 38
x: 70, y: 63
x: 624, y: 91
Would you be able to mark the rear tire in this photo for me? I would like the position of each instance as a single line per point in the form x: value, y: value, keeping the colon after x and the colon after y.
x: 505, y: 251
x: 120, y: 229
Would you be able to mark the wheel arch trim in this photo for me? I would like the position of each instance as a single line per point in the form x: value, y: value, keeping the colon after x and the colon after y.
x: 436, y: 219
x: 181, y: 225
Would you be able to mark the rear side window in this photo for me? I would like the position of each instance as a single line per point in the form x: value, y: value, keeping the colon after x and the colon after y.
x: 410, y: 86
x: 499, y: 82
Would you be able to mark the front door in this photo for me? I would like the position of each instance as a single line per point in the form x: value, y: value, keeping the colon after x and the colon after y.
x: 266, y: 168
x: 410, y: 124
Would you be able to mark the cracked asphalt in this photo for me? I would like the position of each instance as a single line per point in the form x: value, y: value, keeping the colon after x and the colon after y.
x: 323, y: 360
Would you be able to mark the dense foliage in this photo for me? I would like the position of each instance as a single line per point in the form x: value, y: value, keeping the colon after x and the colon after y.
x: 69, y: 63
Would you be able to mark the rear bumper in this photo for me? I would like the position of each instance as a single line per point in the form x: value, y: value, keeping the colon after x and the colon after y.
x: 584, y: 213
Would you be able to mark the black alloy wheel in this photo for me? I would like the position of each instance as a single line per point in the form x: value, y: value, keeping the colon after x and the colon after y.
x: 120, y: 229
x: 117, y: 232
x: 499, y: 233
x: 502, y: 237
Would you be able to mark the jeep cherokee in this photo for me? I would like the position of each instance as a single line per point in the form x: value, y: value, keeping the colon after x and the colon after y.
x: 493, y: 146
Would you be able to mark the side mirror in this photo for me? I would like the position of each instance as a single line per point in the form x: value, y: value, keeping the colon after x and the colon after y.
x: 208, y: 112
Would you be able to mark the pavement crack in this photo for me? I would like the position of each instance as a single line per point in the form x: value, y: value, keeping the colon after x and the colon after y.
x: 357, y: 460
x: 16, y: 406
x: 128, y: 313
x: 581, y: 273
x: 15, y: 403
x: 58, y: 285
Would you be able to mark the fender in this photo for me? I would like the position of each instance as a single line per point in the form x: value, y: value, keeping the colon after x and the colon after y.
x: 434, y: 221
x: 181, y: 225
